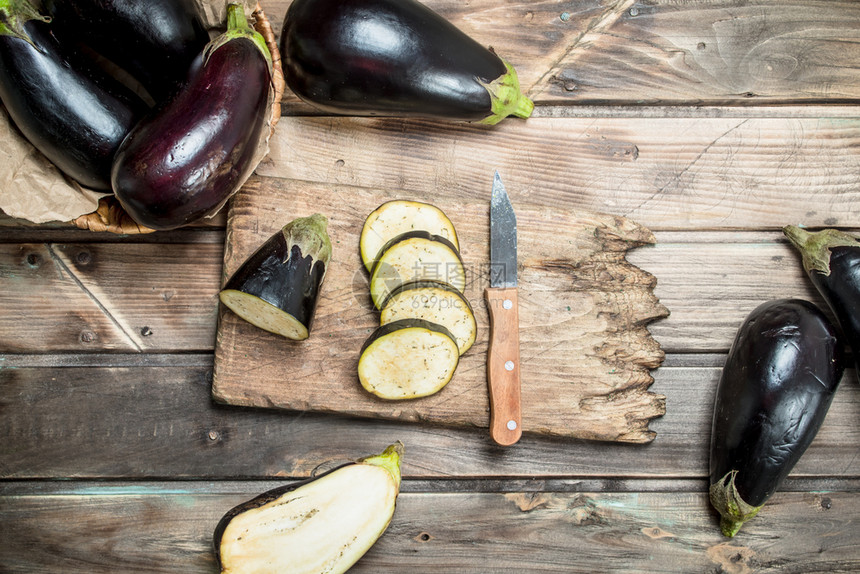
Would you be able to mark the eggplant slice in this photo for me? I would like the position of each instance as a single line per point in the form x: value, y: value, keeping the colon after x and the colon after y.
x: 324, y: 524
x: 415, y: 256
x: 436, y: 302
x: 408, y: 359
x: 395, y: 217
x: 277, y: 288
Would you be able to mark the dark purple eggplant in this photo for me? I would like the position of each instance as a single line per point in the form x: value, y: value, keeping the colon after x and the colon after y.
x: 831, y: 258
x: 183, y: 162
x: 322, y: 524
x: 777, y: 384
x: 394, y: 58
x: 278, y: 286
x: 71, y: 111
x: 154, y: 40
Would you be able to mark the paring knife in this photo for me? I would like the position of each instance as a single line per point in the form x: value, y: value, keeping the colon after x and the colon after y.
x: 503, y: 357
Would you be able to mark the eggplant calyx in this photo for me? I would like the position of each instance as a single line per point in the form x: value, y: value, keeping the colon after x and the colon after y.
x: 14, y: 14
x: 238, y: 27
x: 506, y: 99
x: 728, y: 502
x: 310, y: 235
x: 815, y: 246
x: 389, y: 459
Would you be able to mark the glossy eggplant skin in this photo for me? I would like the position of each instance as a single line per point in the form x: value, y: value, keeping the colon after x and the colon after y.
x: 183, y: 162
x: 831, y: 259
x: 287, y: 271
x: 393, y: 58
x: 776, y: 387
x: 72, y: 112
x: 155, y: 41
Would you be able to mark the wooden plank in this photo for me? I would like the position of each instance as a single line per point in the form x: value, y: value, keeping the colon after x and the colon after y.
x: 664, y: 51
x: 149, y: 422
x: 148, y: 529
x: 666, y: 174
x: 584, y: 344
x: 708, y: 281
x: 105, y: 296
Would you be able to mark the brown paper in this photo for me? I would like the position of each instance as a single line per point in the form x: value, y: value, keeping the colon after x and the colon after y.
x: 31, y: 188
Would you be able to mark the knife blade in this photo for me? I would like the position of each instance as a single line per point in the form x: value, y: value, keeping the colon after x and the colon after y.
x: 503, y: 356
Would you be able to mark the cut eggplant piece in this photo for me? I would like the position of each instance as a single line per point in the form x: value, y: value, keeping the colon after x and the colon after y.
x: 323, y: 524
x: 408, y: 359
x: 415, y: 256
x: 436, y: 302
x: 277, y: 288
x: 395, y: 217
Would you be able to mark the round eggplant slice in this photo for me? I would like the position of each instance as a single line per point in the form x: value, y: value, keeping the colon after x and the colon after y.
x: 277, y: 288
x: 415, y: 256
x: 435, y: 302
x: 324, y: 524
x: 398, y: 216
x: 408, y: 359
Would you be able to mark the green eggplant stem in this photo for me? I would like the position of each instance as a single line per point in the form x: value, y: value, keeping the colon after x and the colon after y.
x: 815, y: 246
x: 311, y: 235
x: 14, y: 14
x: 506, y: 99
x: 389, y: 459
x: 734, y: 511
x: 238, y: 27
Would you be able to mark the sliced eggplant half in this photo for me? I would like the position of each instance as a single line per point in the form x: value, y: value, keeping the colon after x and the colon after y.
x: 277, y: 288
x: 400, y: 216
x: 324, y: 524
x: 415, y: 256
x: 408, y: 359
x: 436, y: 302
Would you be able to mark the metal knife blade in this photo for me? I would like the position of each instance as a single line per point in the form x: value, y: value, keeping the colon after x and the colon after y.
x: 503, y: 237
x: 503, y: 355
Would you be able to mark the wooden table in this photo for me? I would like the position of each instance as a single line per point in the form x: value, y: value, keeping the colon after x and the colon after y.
x: 714, y: 124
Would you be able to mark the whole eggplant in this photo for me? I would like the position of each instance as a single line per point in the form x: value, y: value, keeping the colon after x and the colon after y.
x: 72, y: 112
x: 183, y: 162
x: 776, y: 387
x: 395, y: 58
x: 831, y: 258
x: 155, y: 41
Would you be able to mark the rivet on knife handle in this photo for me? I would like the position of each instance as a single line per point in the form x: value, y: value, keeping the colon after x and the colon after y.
x: 503, y: 365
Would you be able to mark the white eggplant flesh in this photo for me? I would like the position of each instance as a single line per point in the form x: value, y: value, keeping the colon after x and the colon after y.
x: 408, y: 359
x: 435, y: 302
x: 415, y: 256
x: 401, y: 216
x: 325, y: 524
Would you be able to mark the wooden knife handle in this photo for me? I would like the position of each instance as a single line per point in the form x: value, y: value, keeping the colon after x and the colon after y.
x: 503, y: 365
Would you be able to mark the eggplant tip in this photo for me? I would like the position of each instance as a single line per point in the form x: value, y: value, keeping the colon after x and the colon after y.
x: 506, y: 98
x: 734, y: 511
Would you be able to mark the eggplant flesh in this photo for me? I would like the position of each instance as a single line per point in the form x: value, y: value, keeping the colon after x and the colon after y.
x: 776, y: 387
x: 831, y: 259
x: 323, y: 524
x: 408, y: 359
x: 278, y: 287
x: 437, y: 303
x: 394, y: 57
x: 155, y: 41
x: 71, y: 111
x: 413, y: 256
x: 185, y: 161
x: 398, y: 216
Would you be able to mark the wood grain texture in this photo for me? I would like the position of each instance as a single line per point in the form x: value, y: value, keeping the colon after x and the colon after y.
x: 662, y: 51
x: 666, y: 173
x: 586, y: 351
x: 133, y: 422
x: 92, y: 296
x: 163, y: 529
x: 503, y: 349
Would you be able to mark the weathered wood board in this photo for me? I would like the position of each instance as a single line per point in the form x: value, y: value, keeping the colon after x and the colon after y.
x: 585, y: 348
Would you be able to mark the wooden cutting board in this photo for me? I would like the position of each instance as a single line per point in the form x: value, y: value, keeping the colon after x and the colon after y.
x: 585, y: 348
